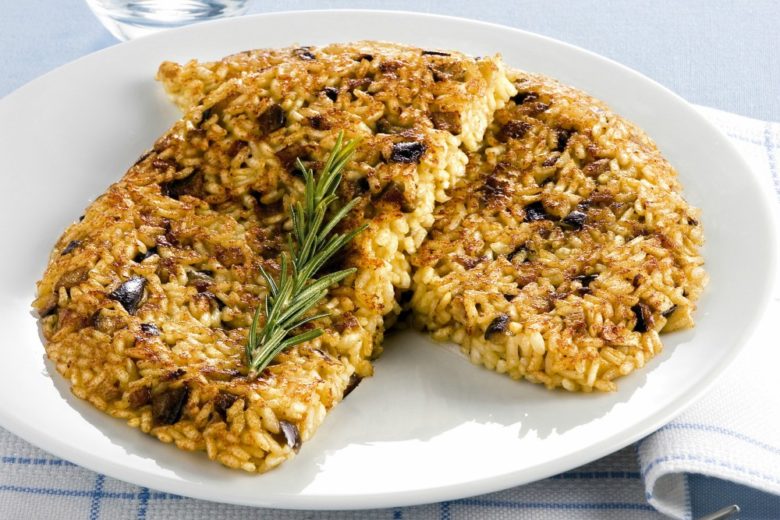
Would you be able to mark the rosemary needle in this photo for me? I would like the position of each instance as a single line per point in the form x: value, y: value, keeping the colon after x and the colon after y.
x: 311, y: 245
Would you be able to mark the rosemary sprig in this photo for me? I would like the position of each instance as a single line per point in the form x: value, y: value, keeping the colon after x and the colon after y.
x: 311, y: 245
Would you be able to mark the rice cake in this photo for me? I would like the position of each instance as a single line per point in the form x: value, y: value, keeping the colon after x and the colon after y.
x: 565, y: 250
x: 146, y: 302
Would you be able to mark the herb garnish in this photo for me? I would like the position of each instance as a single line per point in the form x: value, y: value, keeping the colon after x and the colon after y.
x: 311, y: 245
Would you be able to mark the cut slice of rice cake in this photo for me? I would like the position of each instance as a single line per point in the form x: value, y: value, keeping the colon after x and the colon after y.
x: 147, y: 301
x: 447, y: 89
x: 145, y: 307
x: 566, y: 249
x: 413, y: 109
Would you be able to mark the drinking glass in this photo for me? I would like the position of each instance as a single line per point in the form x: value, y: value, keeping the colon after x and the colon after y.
x: 128, y: 19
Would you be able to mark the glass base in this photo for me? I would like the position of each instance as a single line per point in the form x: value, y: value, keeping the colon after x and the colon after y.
x: 129, y: 19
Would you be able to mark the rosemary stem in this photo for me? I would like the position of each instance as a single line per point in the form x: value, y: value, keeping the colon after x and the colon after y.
x: 312, y: 244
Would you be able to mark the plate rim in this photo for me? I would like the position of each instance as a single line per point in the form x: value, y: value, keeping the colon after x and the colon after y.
x: 84, y: 458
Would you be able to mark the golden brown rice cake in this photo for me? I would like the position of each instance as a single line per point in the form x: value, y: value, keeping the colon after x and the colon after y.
x: 146, y: 302
x: 565, y: 250
x: 412, y: 108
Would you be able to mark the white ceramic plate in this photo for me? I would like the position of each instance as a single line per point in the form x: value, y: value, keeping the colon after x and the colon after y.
x: 429, y: 426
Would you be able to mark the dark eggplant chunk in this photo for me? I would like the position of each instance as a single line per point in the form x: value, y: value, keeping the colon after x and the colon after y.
x: 331, y: 92
x: 206, y: 115
x: 586, y: 279
x: 289, y: 156
x: 191, y: 185
x: 390, y: 66
x: 150, y: 329
x: 522, y: 97
x: 550, y: 161
x: 201, y: 280
x: 140, y: 257
x: 168, y: 406
x: 596, y: 168
x: 497, y: 326
x: 535, y: 109
x: 409, y: 152
x: 140, y: 397
x: 358, y: 84
x: 434, y: 53
x: 644, y: 317
x: 599, y: 198
x: 174, y: 374
x: 291, y: 435
x: 447, y: 121
x: 668, y: 312
x: 362, y: 185
x: 562, y: 139
x: 105, y: 323
x: 575, y: 219
x: 318, y: 122
x: 305, y: 54
x: 516, y: 251
x: 236, y: 147
x: 73, y: 244
x: 354, y: 381
x: 514, y: 130
x: 383, y: 126
x: 212, y: 298
x: 535, y: 211
x: 130, y: 293
x: 272, y: 119
x: 495, y: 188
x: 223, y: 402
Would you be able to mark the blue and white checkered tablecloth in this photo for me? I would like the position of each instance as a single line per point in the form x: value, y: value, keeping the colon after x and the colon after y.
x: 725, y: 449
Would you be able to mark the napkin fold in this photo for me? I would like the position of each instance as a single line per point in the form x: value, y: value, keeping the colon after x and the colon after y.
x: 731, y: 434
x: 734, y: 432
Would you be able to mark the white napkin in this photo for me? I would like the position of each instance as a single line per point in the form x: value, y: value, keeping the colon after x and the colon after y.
x: 732, y: 434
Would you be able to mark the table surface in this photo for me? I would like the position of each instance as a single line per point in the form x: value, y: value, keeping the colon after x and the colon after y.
x: 717, y: 53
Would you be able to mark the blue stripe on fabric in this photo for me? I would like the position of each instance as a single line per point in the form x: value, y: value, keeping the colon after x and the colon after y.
x: 589, y: 475
x: 94, y: 507
x: 722, y: 431
x: 164, y: 496
x: 65, y: 492
x: 712, y: 462
x: 572, y: 506
x: 770, y: 149
x: 157, y: 495
x: 444, y: 511
x: 35, y: 462
x: 143, y: 503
